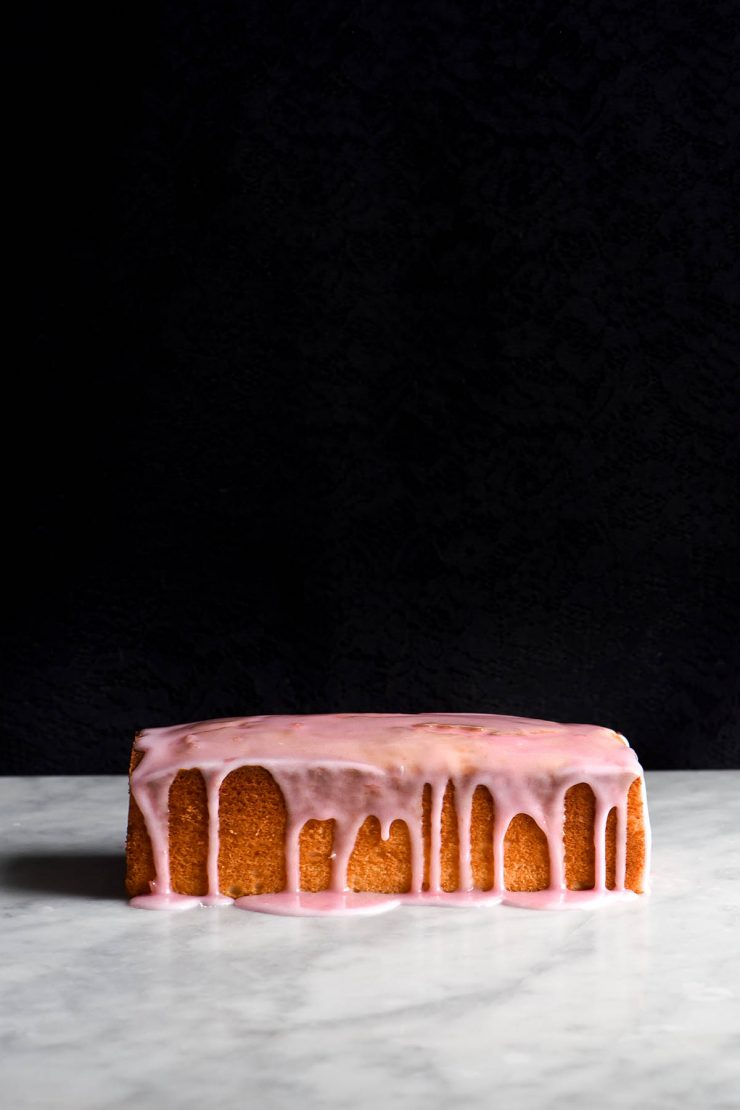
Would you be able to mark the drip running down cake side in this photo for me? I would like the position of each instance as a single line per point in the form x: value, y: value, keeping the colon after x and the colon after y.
x: 415, y: 806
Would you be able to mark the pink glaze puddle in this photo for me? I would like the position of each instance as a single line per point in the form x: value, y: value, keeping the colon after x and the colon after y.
x: 453, y: 899
x: 323, y: 903
x: 566, y: 899
x: 348, y: 766
x: 168, y: 901
x: 331, y: 903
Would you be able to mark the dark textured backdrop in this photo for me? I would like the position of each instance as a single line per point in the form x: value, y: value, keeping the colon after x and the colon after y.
x: 381, y: 356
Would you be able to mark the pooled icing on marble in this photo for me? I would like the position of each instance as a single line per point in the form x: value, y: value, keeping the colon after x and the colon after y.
x: 379, y: 764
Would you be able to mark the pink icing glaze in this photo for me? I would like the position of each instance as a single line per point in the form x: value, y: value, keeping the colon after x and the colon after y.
x: 324, y: 903
x: 378, y: 764
x: 167, y: 901
x: 329, y: 903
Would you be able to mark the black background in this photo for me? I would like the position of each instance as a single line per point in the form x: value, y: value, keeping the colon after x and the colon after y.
x: 380, y: 356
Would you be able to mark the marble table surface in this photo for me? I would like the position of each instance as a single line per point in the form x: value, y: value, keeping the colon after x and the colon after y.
x: 103, y: 1006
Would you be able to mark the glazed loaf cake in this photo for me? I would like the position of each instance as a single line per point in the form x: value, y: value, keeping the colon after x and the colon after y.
x: 423, y: 805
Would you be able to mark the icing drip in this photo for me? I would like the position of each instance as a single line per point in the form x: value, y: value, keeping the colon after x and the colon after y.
x: 346, y: 767
x: 292, y: 856
x: 600, y: 819
x: 555, y: 829
x: 464, y: 823
x: 214, y: 780
x: 435, y: 840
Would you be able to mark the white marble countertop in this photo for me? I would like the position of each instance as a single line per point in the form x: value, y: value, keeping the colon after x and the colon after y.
x: 103, y: 1006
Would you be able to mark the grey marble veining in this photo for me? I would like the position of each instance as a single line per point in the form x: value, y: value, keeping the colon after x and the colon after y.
x: 106, y: 1007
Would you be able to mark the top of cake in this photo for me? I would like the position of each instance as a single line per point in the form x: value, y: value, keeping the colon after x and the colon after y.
x: 396, y: 743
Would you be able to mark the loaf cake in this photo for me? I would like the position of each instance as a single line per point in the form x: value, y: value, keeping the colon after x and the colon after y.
x: 284, y: 812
